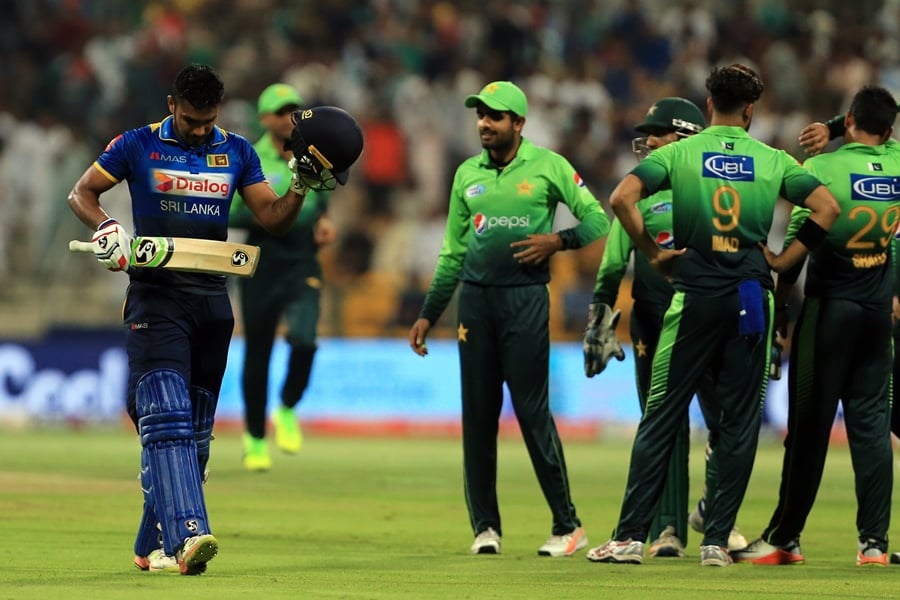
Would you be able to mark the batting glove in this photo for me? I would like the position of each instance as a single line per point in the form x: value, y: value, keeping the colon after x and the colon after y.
x: 112, y: 245
x: 600, y: 342
x: 298, y: 182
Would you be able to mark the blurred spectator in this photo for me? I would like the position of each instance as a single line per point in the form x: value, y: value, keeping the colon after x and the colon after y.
x: 83, y: 70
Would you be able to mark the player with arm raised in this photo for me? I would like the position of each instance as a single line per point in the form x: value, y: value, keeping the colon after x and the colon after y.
x: 724, y: 185
x: 849, y: 294
x: 182, y: 173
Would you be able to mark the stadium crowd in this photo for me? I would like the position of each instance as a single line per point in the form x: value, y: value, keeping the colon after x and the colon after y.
x: 77, y: 72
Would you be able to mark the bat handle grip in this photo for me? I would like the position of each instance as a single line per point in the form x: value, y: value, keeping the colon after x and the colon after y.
x: 79, y: 246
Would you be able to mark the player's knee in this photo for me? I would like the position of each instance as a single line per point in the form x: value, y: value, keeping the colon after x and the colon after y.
x: 164, y: 407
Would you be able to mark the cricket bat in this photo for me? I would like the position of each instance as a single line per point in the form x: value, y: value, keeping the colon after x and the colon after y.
x: 188, y: 254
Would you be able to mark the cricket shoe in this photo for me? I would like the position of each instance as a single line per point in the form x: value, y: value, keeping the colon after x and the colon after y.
x: 667, y: 544
x: 870, y: 555
x: 697, y: 517
x: 486, y: 542
x: 736, y: 540
x: 195, y: 553
x: 287, y: 430
x: 256, y: 454
x: 156, y: 561
x: 714, y: 556
x: 761, y: 552
x: 627, y: 552
x: 564, y: 545
x: 697, y: 521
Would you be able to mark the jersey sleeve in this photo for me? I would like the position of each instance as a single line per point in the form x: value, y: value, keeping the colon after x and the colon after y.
x: 114, y: 162
x: 450, y: 260
x: 653, y: 171
x: 797, y: 182
x: 252, y: 172
x: 613, y: 265
x: 593, y: 221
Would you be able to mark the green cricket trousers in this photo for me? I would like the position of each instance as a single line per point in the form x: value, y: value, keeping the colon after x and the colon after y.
x: 840, y: 351
x: 699, y: 339
x: 504, y: 336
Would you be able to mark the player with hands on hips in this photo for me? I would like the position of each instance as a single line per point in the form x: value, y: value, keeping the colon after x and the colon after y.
x: 502, y: 328
x: 667, y: 121
x: 725, y: 186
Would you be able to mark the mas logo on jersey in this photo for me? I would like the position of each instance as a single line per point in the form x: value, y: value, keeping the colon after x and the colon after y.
x: 661, y: 208
x: 482, y: 222
x: 878, y: 188
x: 728, y: 167
x: 196, y: 185
x: 475, y: 190
x: 665, y: 240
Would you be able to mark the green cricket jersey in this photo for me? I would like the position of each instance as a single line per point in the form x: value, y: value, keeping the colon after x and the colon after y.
x: 724, y: 188
x: 854, y: 261
x: 297, y: 245
x: 491, y: 208
x: 649, y: 285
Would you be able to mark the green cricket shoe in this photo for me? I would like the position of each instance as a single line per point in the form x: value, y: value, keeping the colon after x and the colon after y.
x: 288, y: 436
x: 256, y: 454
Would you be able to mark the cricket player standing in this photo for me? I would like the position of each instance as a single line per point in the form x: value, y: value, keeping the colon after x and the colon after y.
x: 667, y: 121
x: 287, y: 283
x: 497, y: 243
x: 849, y: 295
x: 182, y: 173
x: 724, y: 188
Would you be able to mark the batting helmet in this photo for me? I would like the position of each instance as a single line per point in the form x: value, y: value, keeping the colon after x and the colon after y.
x: 673, y: 114
x: 325, y: 139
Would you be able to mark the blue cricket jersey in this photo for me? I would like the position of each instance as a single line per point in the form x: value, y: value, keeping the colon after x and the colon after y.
x: 180, y: 191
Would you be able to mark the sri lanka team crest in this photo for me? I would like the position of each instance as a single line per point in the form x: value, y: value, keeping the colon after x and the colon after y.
x: 665, y: 240
x: 480, y: 222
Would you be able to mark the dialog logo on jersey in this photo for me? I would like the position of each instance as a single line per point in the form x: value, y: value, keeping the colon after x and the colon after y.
x: 665, y: 240
x: 482, y: 222
x: 728, y: 167
x: 196, y: 185
x: 878, y: 188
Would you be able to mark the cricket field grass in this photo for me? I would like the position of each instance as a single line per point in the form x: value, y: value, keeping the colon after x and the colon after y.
x: 383, y: 518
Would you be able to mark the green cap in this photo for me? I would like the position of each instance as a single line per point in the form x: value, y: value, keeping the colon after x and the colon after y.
x: 673, y: 114
x: 502, y: 96
x: 277, y: 96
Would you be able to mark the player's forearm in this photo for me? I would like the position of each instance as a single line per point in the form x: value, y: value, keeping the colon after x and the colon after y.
x: 86, y: 206
x: 280, y: 215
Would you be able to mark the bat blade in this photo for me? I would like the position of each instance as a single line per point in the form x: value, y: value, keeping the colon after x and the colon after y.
x: 188, y: 254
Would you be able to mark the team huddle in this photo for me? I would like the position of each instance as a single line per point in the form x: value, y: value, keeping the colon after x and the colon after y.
x: 695, y: 213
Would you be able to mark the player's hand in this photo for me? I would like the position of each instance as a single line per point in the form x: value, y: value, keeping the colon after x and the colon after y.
x: 298, y: 185
x: 112, y: 245
x: 814, y: 138
x: 537, y: 247
x: 417, y: 334
x: 664, y: 260
x: 775, y: 261
x: 600, y: 342
x: 895, y: 310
